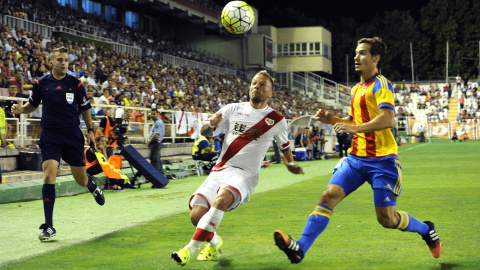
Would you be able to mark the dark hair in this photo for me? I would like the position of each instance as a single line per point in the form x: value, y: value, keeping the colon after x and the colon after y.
x: 377, y: 47
x: 58, y: 50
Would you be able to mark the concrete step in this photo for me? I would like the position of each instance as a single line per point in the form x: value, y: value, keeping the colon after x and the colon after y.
x: 452, y: 110
x: 19, y: 176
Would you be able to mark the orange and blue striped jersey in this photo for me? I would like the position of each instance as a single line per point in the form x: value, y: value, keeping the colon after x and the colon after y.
x: 366, y: 100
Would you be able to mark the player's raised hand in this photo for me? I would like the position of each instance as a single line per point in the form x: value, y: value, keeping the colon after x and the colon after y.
x: 324, y: 116
x: 215, y: 119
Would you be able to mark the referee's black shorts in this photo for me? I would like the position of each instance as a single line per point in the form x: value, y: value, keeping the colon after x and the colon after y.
x: 65, y: 143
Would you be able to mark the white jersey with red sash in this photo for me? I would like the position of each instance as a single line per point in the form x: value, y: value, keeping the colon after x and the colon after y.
x: 249, y: 133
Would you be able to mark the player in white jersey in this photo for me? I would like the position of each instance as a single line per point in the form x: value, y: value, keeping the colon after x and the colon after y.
x: 249, y: 130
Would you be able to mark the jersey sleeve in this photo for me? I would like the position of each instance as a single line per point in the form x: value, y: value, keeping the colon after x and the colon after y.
x: 223, y: 126
x: 36, y: 96
x: 282, y: 136
x: 383, y: 92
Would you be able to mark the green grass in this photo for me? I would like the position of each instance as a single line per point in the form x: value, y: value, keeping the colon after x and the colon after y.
x: 440, y: 183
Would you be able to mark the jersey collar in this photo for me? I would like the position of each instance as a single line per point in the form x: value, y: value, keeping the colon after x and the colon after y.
x: 370, y: 79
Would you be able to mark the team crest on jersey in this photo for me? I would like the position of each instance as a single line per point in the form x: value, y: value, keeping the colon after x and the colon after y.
x: 269, y: 121
x: 69, y: 97
x: 364, y: 90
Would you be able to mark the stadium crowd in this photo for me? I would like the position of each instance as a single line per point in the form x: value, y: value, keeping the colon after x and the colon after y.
x: 429, y: 103
x: 124, y: 79
x: 92, y: 24
x: 131, y: 81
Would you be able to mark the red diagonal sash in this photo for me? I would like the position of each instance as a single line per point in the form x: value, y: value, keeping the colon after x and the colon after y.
x: 248, y: 136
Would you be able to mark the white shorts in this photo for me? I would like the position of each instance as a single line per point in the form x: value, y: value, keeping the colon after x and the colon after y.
x: 239, y: 182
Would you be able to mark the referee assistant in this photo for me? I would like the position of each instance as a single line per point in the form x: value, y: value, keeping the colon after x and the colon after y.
x: 64, y: 98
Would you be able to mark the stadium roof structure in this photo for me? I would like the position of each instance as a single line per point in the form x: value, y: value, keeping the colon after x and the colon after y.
x: 185, y: 10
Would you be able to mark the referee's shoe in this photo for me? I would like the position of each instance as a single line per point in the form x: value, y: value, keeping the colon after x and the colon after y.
x: 95, y: 190
x: 98, y: 195
x: 47, y: 233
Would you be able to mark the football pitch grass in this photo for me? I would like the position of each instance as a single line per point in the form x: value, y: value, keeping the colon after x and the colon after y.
x: 139, y: 229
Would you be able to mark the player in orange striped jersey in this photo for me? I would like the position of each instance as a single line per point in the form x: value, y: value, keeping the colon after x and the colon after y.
x: 372, y: 158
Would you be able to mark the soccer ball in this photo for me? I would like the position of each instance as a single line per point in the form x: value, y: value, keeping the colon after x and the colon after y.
x: 238, y: 17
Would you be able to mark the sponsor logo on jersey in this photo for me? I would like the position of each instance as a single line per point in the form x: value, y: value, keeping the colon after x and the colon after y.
x: 253, y: 134
x: 69, y: 97
x: 239, y: 129
x: 269, y: 121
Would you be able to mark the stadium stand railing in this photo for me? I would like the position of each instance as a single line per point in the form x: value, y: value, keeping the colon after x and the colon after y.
x: 47, y: 31
x: 311, y: 85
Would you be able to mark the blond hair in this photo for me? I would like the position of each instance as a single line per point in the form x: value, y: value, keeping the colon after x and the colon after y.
x: 266, y: 74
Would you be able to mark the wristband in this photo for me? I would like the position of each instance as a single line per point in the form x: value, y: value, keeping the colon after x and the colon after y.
x: 290, y: 164
x: 89, y: 129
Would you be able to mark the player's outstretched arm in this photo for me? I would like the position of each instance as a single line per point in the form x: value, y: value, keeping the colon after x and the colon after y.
x: 287, y: 158
x: 328, y: 118
x: 386, y: 119
x: 215, y: 119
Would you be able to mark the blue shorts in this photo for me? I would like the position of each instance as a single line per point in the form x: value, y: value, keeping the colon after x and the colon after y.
x: 67, y: 144
x: 383, y: 174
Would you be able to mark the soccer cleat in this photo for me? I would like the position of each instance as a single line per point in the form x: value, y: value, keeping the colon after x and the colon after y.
x: 182, y: 256
x: 289, y: 246
x: 47, y: 233
x: 209, y: 252
x: 98, y: 195
x: 432, y: 240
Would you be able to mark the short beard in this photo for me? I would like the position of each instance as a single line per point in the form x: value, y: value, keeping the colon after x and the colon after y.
x: 256, y: 100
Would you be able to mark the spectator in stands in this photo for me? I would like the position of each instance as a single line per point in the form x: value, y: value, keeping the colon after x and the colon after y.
x: 86, y: 79
x: 113, y: 96
x: 127, y: 100
x: 11, y: 123
x: 104, y: 98
x: 461, y: 101
x: 465, y: 83
x: 120, y: 99
x: 448, y: 88
x: 3, y: 75
x: 157, y: 132
x: 17, y: 81
x: 458, y: 80
x: 136, y: 120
